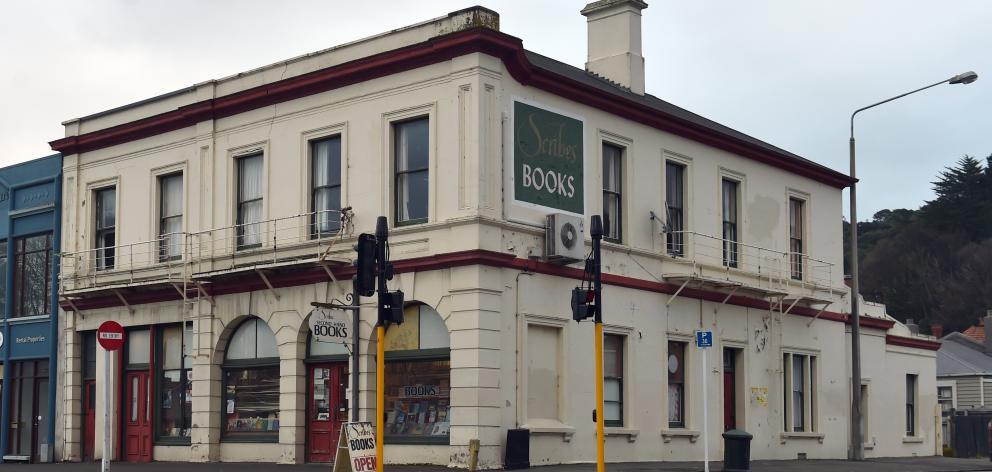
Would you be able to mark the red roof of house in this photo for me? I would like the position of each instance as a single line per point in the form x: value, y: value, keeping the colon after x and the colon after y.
x: 976, y: 332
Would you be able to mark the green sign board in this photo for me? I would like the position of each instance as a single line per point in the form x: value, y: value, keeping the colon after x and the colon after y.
x: 547, y: 159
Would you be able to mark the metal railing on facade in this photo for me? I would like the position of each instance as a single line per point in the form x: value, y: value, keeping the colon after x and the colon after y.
x: 708, y: 255
x: 184, y: 256
x: 181, y: 256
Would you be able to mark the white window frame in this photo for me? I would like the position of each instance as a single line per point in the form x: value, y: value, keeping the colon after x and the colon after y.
x: 806, y: 199
x: 389, y: 119
x: 954, y: 391
x: 811, y: 373
x: 626, y: 146
x: 915, y: 433
x: 233, y: 181
x: 92, y: 188
x: 686, y: 163
x: 740, y: 179
x: 629, y: 427
x: 559, y: 424
x: 155, y: 215
x: 306, y: 168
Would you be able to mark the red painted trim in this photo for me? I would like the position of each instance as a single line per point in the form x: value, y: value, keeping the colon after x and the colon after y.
x: 435, y: 50
x: 912, y: 342
x: 305, y: 276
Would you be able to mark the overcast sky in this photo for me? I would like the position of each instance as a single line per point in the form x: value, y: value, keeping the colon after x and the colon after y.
x: 788, y: 72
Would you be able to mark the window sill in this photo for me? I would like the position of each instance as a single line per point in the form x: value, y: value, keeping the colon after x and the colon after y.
x: 912, y: 439
x: 418, y: 221
x: 26, y: 319
x: 550, y: 427
x: 802, y: 435
x: 668, y: 434
x: 621, y: 431
x: 172, y: 442
x: 416, y: 440
x: 272, y: 440
x: 869, y: 446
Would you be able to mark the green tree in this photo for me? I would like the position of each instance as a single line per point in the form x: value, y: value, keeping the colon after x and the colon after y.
x: 934, y: 264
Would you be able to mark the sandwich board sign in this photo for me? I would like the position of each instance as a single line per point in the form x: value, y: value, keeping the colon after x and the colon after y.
x: 356, y: 448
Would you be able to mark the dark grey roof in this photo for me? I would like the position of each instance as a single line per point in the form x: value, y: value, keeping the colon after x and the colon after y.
x: 588, y: 78
x: 961, y: 355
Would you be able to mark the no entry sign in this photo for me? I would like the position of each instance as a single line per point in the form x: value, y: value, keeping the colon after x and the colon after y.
x: 110, y: 335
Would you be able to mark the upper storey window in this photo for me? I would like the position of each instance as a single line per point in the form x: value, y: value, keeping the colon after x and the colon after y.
x: 731, y: 190
x: 249, y: 201
x: 106, y: 227
x: 796, y: 243
x: 170, y: 224
x: 32, y: 275
x: 411, y: 152
x: 325, y: 199
x: 612, y: 185
x: 675, y: 208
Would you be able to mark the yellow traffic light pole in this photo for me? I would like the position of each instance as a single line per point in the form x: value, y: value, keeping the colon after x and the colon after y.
x: 596, y: 230
x: 380, y: 390
x: 382, y: 265
x: 600, y: 446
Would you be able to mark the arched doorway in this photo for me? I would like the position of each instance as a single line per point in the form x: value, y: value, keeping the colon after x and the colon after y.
x: 418, y: 378
x: 326, y: 400
x: 250, y: 409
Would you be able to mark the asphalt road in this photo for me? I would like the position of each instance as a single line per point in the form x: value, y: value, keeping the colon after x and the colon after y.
x: 915, y: 464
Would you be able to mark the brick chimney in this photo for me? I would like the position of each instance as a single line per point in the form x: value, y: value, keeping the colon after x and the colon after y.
x: 614, y: 43
x: 987, y: 322
x: 937, y: 330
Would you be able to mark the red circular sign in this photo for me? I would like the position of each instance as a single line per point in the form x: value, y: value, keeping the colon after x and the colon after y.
x: 110, y: 335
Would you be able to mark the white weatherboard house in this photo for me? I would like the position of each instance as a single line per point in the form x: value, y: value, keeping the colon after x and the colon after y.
x: 208, y: 219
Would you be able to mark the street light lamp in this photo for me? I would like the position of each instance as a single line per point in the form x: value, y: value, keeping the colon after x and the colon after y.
x: 856, y: 449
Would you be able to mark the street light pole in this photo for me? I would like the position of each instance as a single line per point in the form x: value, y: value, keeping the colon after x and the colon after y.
x: 856, y: 450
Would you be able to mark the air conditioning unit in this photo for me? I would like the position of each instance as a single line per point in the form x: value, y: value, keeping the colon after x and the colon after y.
x: 564, y: 238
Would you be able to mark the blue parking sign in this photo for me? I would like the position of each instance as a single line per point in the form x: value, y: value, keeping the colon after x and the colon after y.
x: 704, y: 339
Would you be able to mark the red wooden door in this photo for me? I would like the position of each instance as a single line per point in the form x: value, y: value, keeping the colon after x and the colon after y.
x: 327, y: 409
x: 137, y: 426
x: 89, y: 419
x: 729, y: 391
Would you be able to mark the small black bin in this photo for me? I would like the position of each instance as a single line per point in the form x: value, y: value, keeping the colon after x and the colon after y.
x: 517, y: 449
x: 736, y: 451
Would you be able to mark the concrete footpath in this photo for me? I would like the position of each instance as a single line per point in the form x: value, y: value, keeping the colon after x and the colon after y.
x: 914, y: 464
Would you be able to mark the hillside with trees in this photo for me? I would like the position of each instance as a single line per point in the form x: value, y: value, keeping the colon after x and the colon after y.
x: 933, y: 264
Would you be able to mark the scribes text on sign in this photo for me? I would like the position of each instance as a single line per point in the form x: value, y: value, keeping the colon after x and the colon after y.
x: 548, y: 158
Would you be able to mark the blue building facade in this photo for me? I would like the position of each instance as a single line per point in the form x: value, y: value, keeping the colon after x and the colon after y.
x: 30, y: 216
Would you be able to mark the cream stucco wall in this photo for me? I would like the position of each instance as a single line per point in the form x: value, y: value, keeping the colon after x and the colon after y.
x: 486, y: 309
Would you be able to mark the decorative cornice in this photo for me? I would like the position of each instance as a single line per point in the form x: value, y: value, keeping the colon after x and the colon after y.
x: 507, y: 48
x: 916, y: 343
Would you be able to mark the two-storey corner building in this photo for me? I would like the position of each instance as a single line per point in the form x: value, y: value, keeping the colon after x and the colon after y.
x: 207, y: 221
x: 29, y: 244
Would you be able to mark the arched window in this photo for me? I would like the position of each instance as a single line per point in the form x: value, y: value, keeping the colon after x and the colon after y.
x: 418, y: 378
x: 251, y: 384
x: 317, y: 349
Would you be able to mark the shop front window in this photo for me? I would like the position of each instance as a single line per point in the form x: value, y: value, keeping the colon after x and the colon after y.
x: 418, y: 378
x: 251, y: 385
x: 175, y: 386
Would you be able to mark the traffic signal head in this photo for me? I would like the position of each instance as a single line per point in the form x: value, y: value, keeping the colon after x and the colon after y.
x: 365, y: 265
x: 583, y: 303
x: 391, y: 310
